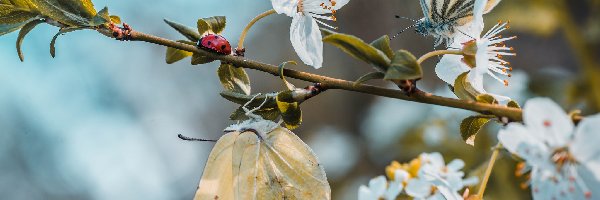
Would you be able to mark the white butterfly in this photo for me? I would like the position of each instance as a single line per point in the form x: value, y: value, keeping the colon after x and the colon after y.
x: 259, y: 159
x: 443, y: 17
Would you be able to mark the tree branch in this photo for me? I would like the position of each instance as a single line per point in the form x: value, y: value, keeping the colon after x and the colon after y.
x: 513, y: 114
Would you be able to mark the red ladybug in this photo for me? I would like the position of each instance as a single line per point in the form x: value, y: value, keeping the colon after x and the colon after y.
x: 215, y: 43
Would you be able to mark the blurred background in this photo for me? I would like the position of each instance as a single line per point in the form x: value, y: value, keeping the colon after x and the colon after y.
x: 100, y: 121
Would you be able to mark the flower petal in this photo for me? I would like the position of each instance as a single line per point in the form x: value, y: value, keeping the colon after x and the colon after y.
x: 307, y: 40
x: 450, y: 67
x: 365, y: 194
x: 393, y: 190
x: 287, y: 7
x: 519, y: 140
x: 449, y: 194
x: 456, y: 165
x: 478, y: 10
x: 378, y: 185
x: 418, y: 188
x: 548, y: 122
x: 585, y: 143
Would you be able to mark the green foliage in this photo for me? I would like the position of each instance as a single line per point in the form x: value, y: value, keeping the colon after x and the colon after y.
x: 242, y: 99
x: 369, y: 76
x: 189, y: 32
x: 486, y: 98
x: 174, y: 55
x: 289, y: 109
x: 266, y: 113
x: 463, y: 89
x: 214, y: 25
x: 513, y: 104
x: 383, y: 44
x: 358, y: 49
x: 15, y: 14
x: 470, y: 126
x: 234, y: 79
x: 404, y: 67
x: 287, y: 84
x: 61, y: 32
x: 24, y: 31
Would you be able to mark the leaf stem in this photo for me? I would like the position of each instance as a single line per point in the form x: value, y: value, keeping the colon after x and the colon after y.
x: 437, y: 53
x: 245, y: 31
x: 488, y: 171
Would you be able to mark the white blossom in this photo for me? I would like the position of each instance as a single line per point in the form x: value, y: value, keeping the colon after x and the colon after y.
x: 482, y: 54
x: 304, y: 32
x: 379, y: 188
x: 564, y: 160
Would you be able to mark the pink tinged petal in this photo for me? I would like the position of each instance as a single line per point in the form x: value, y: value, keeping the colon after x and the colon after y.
x: 307, y: 40
x: 548, y: 122
x: 450, y: 67
x: 287, y: 7
x: 519, y: 140
x: 418, y: 188
x: 590, y: 180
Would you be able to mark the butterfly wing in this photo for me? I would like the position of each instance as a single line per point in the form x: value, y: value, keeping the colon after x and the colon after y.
x: 217, y: 178
x: 295, y: 167
x: 426, y: 7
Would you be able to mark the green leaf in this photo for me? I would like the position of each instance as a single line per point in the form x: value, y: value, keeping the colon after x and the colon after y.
x: 486, y: 98
x: 234, y: 78
x: 115, y: 19
x: 470, y: 126
x: 513, y: 104
x: 287, y: 84
x: 61, y: 32
x: 11, y: 14
x: 24, y: 31
x: 214, y: 25
x: 383, y: 44
x: 198, y: 59
x: 463, y: 89
x: 404, y: 67
x: 266, y: 113
x: 290, y: 110
x: 188, y: 32
x: 74, y: 13
x: 326, y: 32
x: 242, y: 99
x: 359, y: 49
x: 101, y: 18
x: 174, y: 55
x: 369, y: 76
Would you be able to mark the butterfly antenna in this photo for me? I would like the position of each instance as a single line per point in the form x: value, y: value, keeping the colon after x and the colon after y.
x: 465, y: 34
x: 397, y: 34
x: 194, y: 139
x: 401, y: 17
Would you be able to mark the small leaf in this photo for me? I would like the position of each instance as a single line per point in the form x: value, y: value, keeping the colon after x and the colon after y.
x: 188, y: 32
x: 24, y: 31
x: 326, y: 32
x: 61, y: 32
x: 234, y: 78
x: 199, y: 59
x: 369, y: 76
x: 463, y: 89
x: 242, y: 99
x: 75, y: 13
x: 214, y: 25
x: 266, y: 113
x: 359, y: 49
x: 101, y: 18
x: 287, y: 84
x: 513, y: 104
x: 290, y: 110
x: 174, y: 55
x: 470, y: 126
x: 486, y: 98
x: 383, y: 44
x: 404, y: 67
x: 13, y: 15
x: 115, y: 19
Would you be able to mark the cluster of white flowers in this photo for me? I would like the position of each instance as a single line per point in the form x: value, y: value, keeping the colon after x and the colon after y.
x: 427, y: 177
x: 564, y: 160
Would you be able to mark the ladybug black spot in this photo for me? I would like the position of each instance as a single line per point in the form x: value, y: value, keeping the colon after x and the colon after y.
x: 223, y: 47
x: 216, y: 37
x: 209, y: 43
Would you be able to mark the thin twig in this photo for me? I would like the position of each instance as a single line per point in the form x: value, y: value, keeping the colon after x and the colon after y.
x: 513, y: 114
x: 488, y: 171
